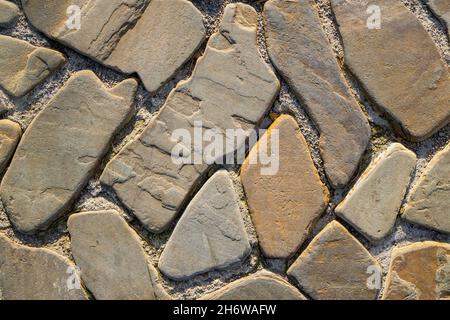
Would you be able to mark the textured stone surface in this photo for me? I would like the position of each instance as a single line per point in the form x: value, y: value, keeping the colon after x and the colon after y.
x: 154, y: 39
x: 284, y: 206
x: 230, y: 88
x: 23, y: 66
x: 398, y: 65
x: 334, y: 266
x: 263, y: 285
x: 61, y: 149
x: 429, y: 203
x: 441, y: 8
x: 10, y: 133
x: 420, y: 271
x: 35, y: 274
x: 109, y: 253
x: 373, y: 204
x: 210, y: 235
x: 9, y: 13
x: 301, y: 52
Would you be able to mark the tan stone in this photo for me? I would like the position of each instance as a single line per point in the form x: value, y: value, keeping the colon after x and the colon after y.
x: 441, y: 8
x: 10, y: 134
x: 61, y: 149
x: 301, y: 52
x: 420, y: 271
x: 284, y: 206
x: 231, y: 88
x: 335, y: 267
x: 9, y: 13
x: 23, y: 66
x: 398, y: 65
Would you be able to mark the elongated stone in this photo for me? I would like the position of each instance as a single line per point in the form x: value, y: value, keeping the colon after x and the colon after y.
x: 285, y: 204
x: 263, y: 285
x: 36, y: 274
x: 398, y: 64
x: 23, y: 66
x: 231, y: 88
x: 109, y: 253
x: 301, y: 52
x: 374, y: 202
x: 61, y: 149
x: 429, y: 203
x: 335, y: 266
x: 9, y: 13
x: 441, y: 8
x: 10, y: 133
x: 210, y: 235
x: 420, y: 271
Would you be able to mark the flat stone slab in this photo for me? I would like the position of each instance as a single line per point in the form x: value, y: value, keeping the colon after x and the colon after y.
x: 413, y: 89
x: 10, y: 134
x: 9, y: 13
x: 153, y: 38
x: 231, y: 88
x: 36, y: 274
x: 420, y: 271
x: 429, y: 202
x: 23, y: 66
x: 284, y: 205
x: 111, y: 258
x: 373, y: 204
x: 61, y: 149
x: 263, y: 285
x: 335, y: 267
x: 210, y: 235
x: 301, y: 52
x: 441, y: 8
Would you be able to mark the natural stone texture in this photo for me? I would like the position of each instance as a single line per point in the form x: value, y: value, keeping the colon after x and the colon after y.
x: 334, y: 267
x: 23, y: 66
x: 373, y: 204
x: 35, y: 274
x: 441, y: 8
x: 154, y: 39
x: 210, y: 235
x: 109, y: 253
x: 398, y: 65
x: 420, y: 271
x: 284, y: 206
x: 301, y: 52
x: 61, y: 149
x: 9, y: 13
x: 429, y: 203
x: 10, y: 133
x: 263, y: 285
x: 231, y: 88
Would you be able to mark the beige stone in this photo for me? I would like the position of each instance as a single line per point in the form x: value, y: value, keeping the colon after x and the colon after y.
x: 398, y: 65
x: 61, y: 149
x: 23, y: 66
x: 301, y: 52
x: 373, y: 204
x: 36, y: 274
x: 429, y: 203
x: 420, y: 271
x: 441, y: 8
x: 231, y: 88
x: 10, y: 134
x: 284, y: 206
x: 335, y: 266
x: 9, y: 13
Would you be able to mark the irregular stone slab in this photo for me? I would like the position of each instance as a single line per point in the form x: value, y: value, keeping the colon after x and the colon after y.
x: 231, y: 88
x: 335, y: 267
x: 109, y: 253
x: 441, y: 8
x: 61, y: 149
x: 10, y: 134
x: 23, y: 66
x: 301, y: 52
x: 284, y: 206
x: 420, y: 271
x: 9, y: 13
x: 263, y: 285
x: 373, y: 204
x: 210, y: 235
x: 154, y: 39
x: 413, y: 88
x: 36, y: 274
x: 429, y: 203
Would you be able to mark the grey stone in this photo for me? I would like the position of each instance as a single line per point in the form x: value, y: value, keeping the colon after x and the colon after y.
x: 10, y: 134
x: 441, y: 8
x: 210, y: 235
x: 61, y: 149
x: 9, y: 13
